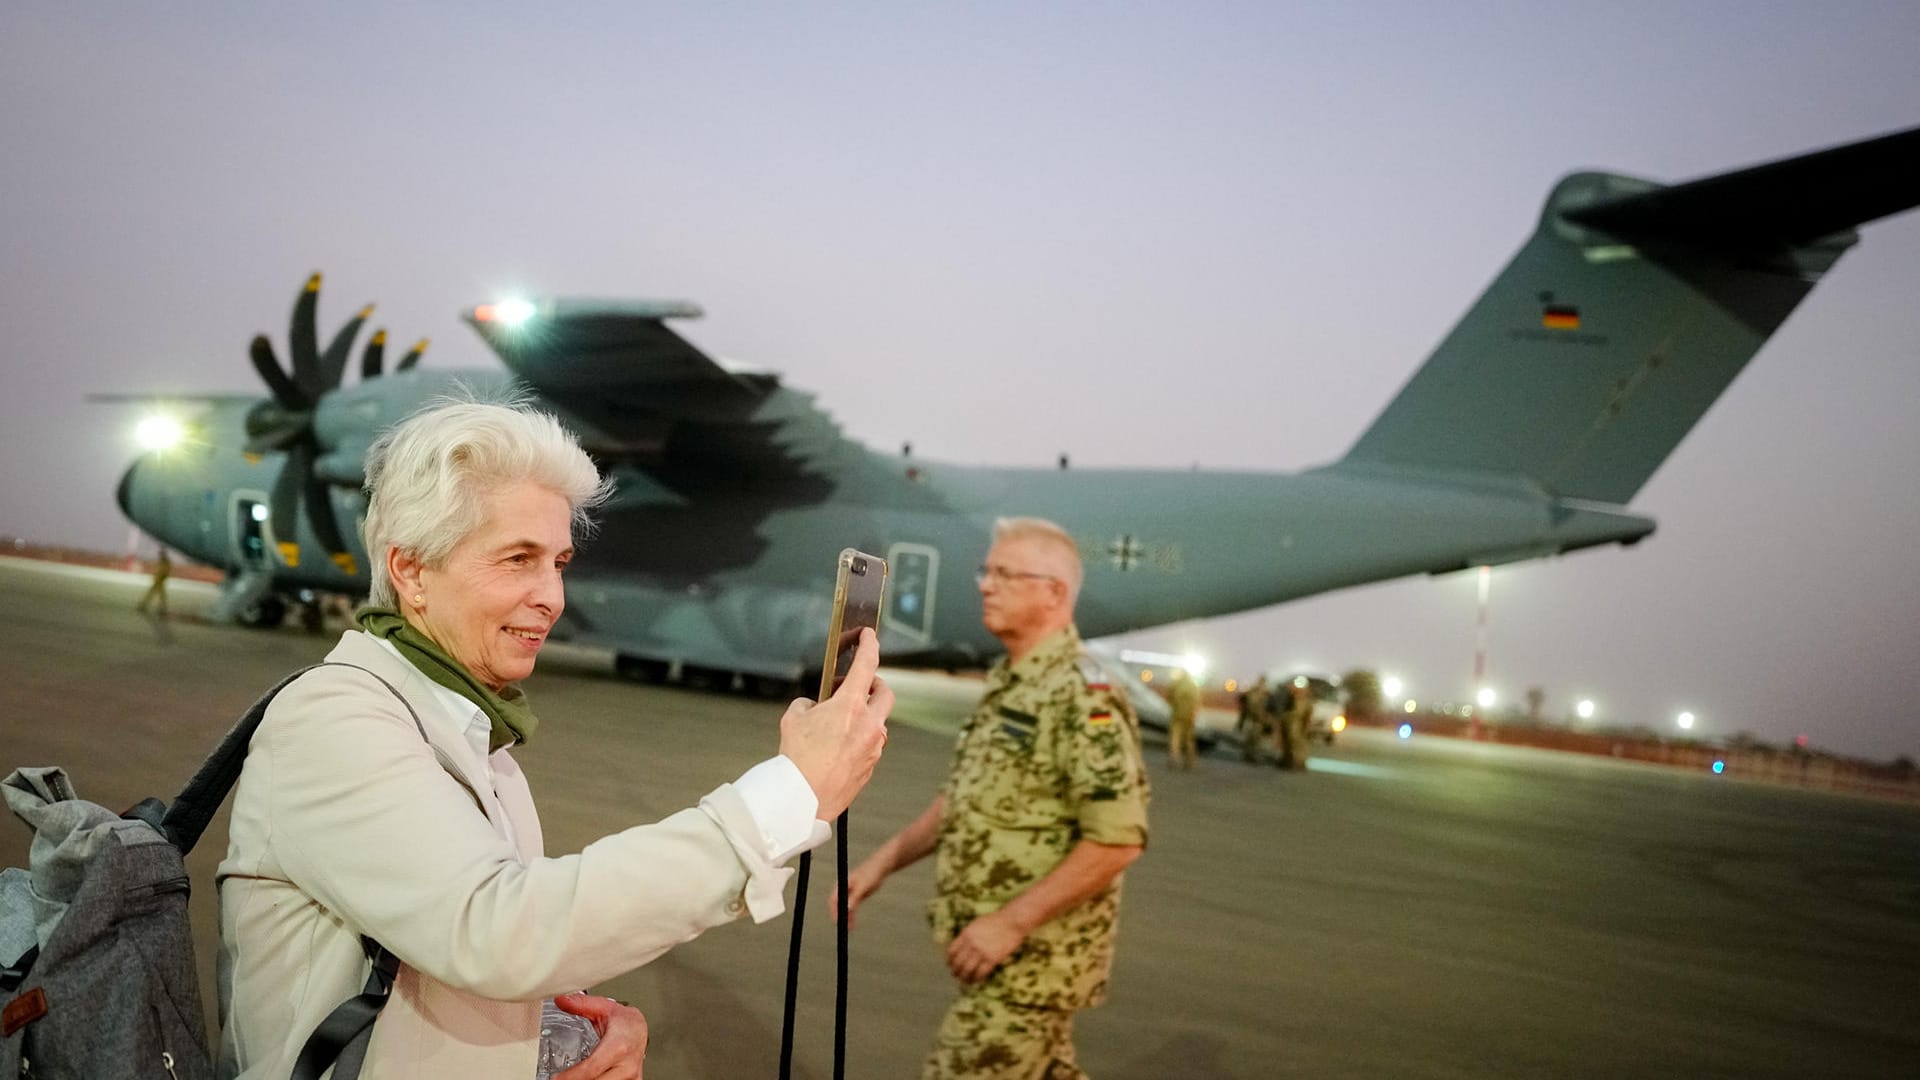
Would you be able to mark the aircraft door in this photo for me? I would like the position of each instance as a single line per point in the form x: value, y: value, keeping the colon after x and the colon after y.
x: 252, y: 547
x: 913, y: 572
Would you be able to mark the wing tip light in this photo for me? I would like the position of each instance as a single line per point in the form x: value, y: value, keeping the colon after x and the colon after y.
x: 505, y: 312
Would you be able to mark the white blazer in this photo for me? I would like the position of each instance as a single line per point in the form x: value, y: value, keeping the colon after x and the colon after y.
x: 345, y: 822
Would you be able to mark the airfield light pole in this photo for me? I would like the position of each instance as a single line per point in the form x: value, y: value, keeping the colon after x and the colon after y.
x: 1480, y: 649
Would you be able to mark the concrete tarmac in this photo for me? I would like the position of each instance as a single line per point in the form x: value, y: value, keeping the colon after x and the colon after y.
x: 1425, y: 908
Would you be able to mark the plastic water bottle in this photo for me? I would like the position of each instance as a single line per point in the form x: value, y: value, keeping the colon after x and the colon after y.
x: 565, y: 1040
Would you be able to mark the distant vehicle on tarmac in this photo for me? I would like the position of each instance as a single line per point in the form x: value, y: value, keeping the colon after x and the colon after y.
x: 1329, y: 717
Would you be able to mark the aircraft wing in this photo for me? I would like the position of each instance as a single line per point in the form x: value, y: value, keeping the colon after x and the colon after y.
x: 641, y: 395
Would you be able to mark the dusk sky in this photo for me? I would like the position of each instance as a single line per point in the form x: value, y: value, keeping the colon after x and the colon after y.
x: 1150, y: 235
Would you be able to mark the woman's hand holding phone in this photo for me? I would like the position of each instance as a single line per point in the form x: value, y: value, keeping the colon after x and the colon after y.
x: 837, y: 742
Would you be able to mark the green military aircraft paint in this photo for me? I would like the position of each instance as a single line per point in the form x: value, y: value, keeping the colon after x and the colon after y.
x: 1624, y: 316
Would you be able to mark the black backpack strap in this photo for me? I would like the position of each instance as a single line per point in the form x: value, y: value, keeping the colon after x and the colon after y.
x: 340, y: 1042
x: 13, y: 975
x: 150, y: 810
x: 341, y: 1039
x: 200, y: 800
x: 196, y: 804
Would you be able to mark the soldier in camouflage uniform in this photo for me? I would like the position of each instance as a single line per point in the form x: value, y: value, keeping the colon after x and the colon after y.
x: 1256, y: 719
x: 1045, y: 806
x: 1294, y: 706
x: 1183, y: 695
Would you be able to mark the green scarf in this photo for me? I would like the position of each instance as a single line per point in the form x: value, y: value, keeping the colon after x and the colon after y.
x: 513, y: 719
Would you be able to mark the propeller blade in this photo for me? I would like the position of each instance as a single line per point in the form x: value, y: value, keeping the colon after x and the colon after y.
x: 413, y: 356
x: 284, y: 504
x: 270, y: 428
x: 304, y: 342
x: 326, y: 527
x: 370, y: 360
x: 285, y: 391
x: 333, y: 363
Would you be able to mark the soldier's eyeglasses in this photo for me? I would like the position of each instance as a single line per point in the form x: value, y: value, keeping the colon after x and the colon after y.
x: 1000, y: 575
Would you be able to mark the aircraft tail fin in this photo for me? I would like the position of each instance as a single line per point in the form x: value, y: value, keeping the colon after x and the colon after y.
x: 1628, y: 312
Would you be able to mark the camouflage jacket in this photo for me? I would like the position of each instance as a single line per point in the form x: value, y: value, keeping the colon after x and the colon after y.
x: 1184, y: 697
x: 1050, y: 757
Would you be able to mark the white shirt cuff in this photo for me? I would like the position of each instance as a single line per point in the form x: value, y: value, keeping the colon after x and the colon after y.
x: 782, y: 805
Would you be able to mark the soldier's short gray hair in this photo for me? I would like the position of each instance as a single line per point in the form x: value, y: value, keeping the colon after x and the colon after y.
x: 428, y: 477
x: 1040, y: 530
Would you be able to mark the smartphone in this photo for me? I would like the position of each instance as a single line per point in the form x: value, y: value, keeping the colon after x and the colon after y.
x: 858, y: 591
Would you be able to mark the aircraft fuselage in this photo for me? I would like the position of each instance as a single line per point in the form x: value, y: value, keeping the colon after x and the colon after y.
x: 742, y: 582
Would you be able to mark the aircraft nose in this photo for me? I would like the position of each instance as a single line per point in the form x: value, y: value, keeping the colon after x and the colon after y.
x: 123, y: 493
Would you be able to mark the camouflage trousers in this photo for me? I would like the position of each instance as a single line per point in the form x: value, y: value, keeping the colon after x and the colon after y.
x: 1254, y: 734
x: 1294, y: 748
x: 1181, y: 749
x: 985, y: 1038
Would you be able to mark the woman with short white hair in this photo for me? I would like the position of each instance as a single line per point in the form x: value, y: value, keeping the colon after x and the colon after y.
x: 380, y: 800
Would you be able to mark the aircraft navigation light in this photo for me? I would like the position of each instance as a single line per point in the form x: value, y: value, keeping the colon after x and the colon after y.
x: 1584, y: 709
x: 1390, y: 686
x: 159, y: 432
x: 1406, y: 731
x: 507, y: 312
x: 1685, y: 720
x: 1485, y: 697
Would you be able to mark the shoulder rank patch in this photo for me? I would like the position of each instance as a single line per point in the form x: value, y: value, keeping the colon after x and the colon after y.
x: 1018, y: 717
x: 1100, y: 718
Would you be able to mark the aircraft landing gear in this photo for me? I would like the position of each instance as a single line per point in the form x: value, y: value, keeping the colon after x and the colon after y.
x: 643, y: 669
x: 773, y: 687
x: 695, y: 677
x: 265, y: 613
x: 640, y: 669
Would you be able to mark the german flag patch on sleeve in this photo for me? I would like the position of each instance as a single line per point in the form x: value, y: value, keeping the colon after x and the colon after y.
x: 1100, y: 718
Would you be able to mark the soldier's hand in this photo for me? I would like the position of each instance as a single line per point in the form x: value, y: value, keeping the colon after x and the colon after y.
x: 836, y: 743
x: 862, y: 880
x: 983, y: 945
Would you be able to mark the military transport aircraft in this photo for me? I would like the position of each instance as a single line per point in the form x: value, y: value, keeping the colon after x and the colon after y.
x: 1524, y: 435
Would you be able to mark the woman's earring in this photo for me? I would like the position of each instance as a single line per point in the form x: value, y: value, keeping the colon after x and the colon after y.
x: 419, y: 599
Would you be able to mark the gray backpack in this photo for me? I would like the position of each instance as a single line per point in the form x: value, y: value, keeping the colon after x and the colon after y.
x: 97, y: 976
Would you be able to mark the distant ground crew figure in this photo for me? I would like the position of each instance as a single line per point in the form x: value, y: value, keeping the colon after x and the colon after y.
x: 1184, y: 696
x: 1295, y: 714
x: 1045, y: 805
x: 157, y: 592
x: 1256, y: 719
